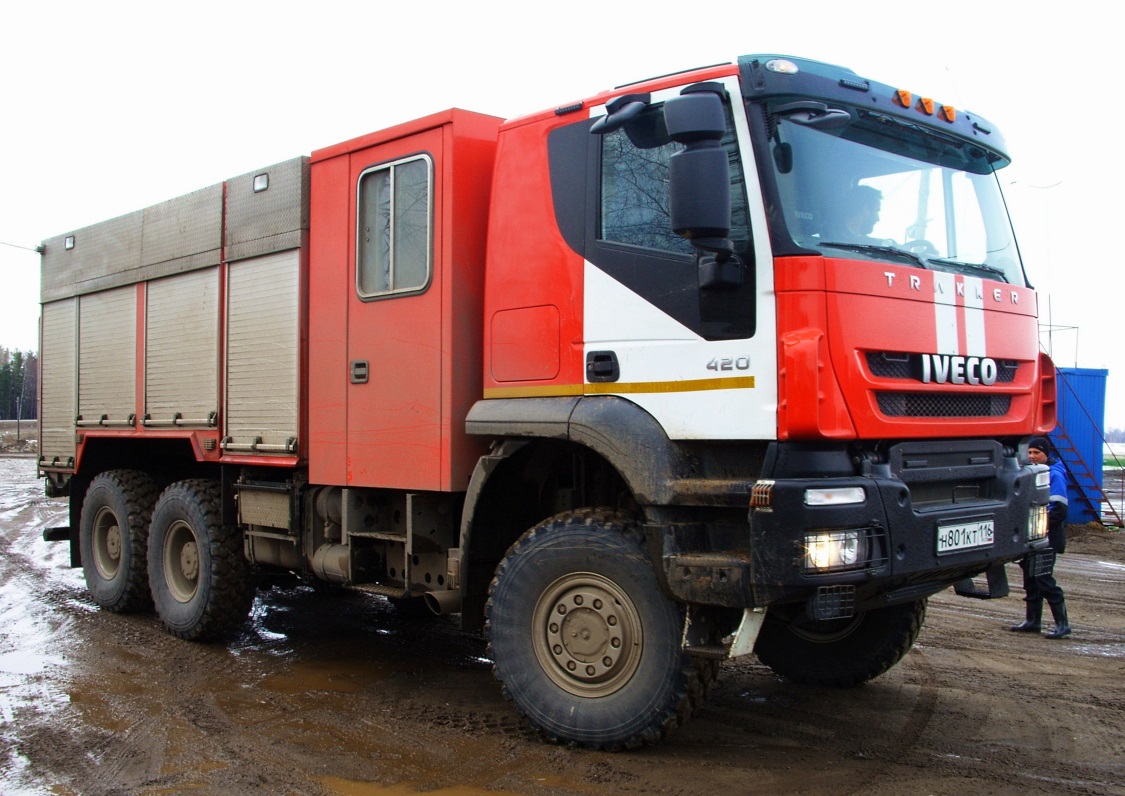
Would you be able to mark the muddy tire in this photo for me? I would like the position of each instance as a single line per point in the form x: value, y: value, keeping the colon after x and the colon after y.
x: 841, y: 652
x: 201, y: 582
x: 113, y: 538
x: 583, y: 640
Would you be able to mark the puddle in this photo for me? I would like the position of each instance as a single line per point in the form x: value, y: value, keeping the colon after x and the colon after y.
x: 343, y: 787
x: 750, y: 696
x: 26, y: 662
x: 302, y: 677
x: 1099, y: 650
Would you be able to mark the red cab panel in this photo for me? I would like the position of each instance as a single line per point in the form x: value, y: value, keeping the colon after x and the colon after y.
x: 902, y: 352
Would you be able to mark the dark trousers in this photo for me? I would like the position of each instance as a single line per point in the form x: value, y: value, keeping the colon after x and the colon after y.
x: 1042, y: 586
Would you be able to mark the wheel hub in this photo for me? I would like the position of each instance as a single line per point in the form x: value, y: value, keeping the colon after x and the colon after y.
x: 181, y: 562
x: 189, y: 561
x: 587, y: 641
x: 107, y: 543
x: 113, y: 543
x: 592, y: 636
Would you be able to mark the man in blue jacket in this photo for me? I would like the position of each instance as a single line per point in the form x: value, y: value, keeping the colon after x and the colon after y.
x: 1039, y: 568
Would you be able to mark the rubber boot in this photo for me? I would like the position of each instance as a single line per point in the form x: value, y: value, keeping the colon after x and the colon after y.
x: 1062, y: 624
x: 1034, y: 621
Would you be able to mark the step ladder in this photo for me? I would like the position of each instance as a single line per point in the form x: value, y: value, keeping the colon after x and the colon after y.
x: 1082, y: 477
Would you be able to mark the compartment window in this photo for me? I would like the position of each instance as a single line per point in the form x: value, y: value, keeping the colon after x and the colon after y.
x: 394, y: 228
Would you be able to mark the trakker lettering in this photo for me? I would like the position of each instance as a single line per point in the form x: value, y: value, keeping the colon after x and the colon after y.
x: 945, y: 369
x: 914, y: 282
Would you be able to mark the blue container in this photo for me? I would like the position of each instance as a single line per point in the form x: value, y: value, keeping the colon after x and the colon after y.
x: 1079, y: 439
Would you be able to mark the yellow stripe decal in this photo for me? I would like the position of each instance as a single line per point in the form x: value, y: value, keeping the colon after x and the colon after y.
x: 616, y: 388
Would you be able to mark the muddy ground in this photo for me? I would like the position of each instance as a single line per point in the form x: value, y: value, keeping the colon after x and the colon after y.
x: 332, y: 693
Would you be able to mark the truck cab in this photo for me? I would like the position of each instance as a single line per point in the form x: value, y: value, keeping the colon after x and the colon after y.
x: 784, y: 327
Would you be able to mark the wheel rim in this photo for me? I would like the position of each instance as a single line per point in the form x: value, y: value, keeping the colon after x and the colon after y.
x: 107, y: 543
x: 588, y: 635
x: 181, y: 562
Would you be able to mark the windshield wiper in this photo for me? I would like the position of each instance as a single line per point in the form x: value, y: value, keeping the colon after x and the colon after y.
x: 958, y: 264
x: 868, y: 248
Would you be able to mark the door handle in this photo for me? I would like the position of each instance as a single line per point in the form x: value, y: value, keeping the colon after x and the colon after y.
x: 359, y: 371
x: 602, y: 366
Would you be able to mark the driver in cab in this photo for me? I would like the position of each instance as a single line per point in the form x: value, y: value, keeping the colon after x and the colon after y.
x: 862, y: 214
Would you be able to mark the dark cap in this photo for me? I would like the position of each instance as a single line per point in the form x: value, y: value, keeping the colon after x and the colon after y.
x: 1040, y: 444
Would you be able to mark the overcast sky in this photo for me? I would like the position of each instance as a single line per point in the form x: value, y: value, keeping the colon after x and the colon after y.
x: 109, y: 107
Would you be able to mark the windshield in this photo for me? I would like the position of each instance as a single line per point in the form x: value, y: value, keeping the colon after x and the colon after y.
x: 876, y: 188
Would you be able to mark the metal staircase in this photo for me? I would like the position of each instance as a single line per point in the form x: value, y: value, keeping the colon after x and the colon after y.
x: 1086, y: 483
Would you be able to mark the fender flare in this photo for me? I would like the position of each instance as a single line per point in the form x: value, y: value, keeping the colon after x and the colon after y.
x: 618, y: 430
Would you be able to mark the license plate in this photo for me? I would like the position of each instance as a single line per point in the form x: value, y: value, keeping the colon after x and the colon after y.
x: 964, y: 536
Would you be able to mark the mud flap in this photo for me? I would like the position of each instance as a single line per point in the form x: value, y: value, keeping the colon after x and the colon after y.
x: 997, y: 585
x: 697, y: 635
x: 747, y: 634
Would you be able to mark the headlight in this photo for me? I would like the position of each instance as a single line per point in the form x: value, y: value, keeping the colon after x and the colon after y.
x: 1037, y: 523
x: 831, y: 550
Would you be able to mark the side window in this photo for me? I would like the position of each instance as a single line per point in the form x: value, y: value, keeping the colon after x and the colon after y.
x: 634, y: 207
x: 394, y: 211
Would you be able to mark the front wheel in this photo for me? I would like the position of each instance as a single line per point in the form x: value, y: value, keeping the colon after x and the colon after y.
x: 201, y: 582
x: 584, y: 641
x: 840, y: 652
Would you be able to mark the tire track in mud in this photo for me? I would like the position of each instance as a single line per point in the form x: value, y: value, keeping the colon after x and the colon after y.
x: 254, y: 733
x: 1025, y: 714
x: 30, y: 628
x: 111, y: 742
x: 903, y: 745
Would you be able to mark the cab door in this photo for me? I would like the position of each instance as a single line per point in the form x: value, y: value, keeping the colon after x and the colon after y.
x: 394, y: 326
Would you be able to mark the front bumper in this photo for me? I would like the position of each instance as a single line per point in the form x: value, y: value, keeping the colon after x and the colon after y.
x: 901, y: 559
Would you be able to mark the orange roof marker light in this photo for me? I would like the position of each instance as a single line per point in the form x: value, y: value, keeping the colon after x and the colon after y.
x: 949, y: 113
x: 926, y: 105
x: 903, y: 97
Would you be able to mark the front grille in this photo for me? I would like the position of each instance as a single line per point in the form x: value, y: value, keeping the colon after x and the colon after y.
x: 936, y: 404
x: 887, y: 365
x: 898, y: 365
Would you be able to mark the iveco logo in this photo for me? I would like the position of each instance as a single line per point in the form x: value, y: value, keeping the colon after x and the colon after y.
x: 945, y: 369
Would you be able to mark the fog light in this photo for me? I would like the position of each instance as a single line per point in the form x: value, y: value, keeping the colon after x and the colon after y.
x: 1037, y: 523
x: 835, y: 497
x: 829, y: 550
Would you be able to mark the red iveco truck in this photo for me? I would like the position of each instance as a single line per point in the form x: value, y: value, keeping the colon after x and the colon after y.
x: 736, y: 360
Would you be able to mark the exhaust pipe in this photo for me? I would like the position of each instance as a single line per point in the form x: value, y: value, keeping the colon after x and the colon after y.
x: 332, y: 562
x: 443, y: 602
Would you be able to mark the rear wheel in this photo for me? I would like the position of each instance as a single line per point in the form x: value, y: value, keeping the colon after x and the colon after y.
x: 113, y: 536
x: 201, y: 582
x: 584, y: 641
x: 840, y: 652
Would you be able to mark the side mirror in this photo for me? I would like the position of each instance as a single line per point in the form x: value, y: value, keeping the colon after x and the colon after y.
x: 699, y: 175
x: 619, y: 112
